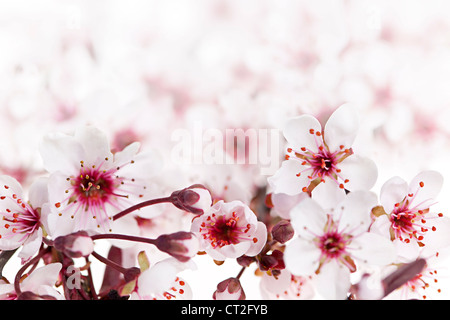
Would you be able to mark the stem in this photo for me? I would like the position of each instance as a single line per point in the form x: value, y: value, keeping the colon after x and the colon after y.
x: 110, y: 263
x: 141, y: 205
x: 241, y: 272
x: 123, y: 237
x: 91, y: 282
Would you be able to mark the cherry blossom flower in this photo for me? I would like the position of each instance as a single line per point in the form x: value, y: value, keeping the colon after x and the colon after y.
x: 406, y: 215
x: 21, y: 219
x: 87, y: 183
x: 333, y: 238
x: 230, y: 230
x: 325, y: 154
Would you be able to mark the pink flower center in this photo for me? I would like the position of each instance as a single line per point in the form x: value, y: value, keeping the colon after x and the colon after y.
x: 333, y: 244
x: 19, y: 219
x: 222, y: 231
x: 321, y: 163
x: 411, y: 222
x: 94, y: 188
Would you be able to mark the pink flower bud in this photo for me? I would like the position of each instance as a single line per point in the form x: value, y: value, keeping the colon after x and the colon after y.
x: 283, y: 231
x: 195, y: 199
x: 75, y: 245
x: 229, y: 289
x: 180, y: 245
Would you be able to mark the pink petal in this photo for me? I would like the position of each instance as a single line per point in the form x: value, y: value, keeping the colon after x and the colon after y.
x: 261, y: 238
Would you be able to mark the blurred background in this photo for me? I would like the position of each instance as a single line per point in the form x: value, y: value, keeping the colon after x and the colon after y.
x: 142, y: 69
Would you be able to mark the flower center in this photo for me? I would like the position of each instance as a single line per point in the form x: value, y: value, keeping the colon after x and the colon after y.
x: 321, y: 163
x: 222, y: 231
x: 19, y: 219
x: 95, y: 191
x: 333, y: 245
x: 93, y: 187
x: 411, y: 222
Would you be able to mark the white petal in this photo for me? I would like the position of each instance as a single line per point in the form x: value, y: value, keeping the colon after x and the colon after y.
x: 381, y: 226
x: 285, y: 179
x: 61, y: 152
x: 438, y: 239
x: 308, y: 218
x: 31, y: 245
x: 333, y: 281
x: 13, y: 185
x: 432, y: 184
x: 157, y: 279
x: 297, y: 132
x: 393, y: 191
x: 145, y: 165
x: 341, y: 128
x: 231, y: 251
x: 356, y: 209
x: 283, y: 203
x: 38, y: 193
x: 373, y: 249
x: 301, y: 257
x: 362, y: 172
x: 46, y: 275
x: 328, y: 194
x: 276, y: 285
x: 95, y: 144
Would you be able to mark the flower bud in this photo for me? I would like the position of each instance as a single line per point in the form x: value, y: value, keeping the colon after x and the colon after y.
x: 195, y: 199
x: 271, y: 262
x: 229, y: 289
x: 282, y: 231
x: 180, y: 245
x: 75, y: 245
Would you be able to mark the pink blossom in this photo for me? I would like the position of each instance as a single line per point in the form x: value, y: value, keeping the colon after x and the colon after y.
x: 407, y: 215
x: 87, y: 183
x: 325, y: 155
x: 230, y: 230
x: 333, y: 238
